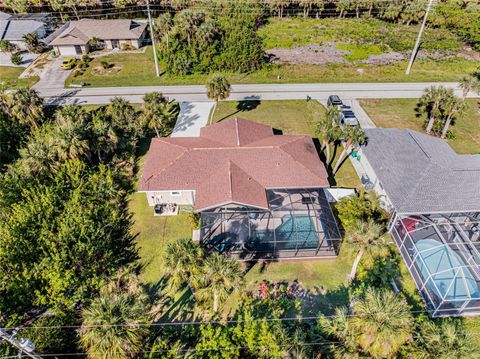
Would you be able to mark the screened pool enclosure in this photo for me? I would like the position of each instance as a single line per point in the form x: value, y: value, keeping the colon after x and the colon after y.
x: 298, y: 223
x: 442, y: 253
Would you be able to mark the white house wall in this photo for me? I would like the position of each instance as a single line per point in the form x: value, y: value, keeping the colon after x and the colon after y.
x: 160, y: 197
x: 368, y: 172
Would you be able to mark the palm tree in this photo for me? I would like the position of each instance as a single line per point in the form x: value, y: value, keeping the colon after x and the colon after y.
x: 163, y: 25
x: 218, y: 88
x: 430, y: 103
x: 365, y: 237
x: 453, y: 106
x: 103, y: 136
x: 70, y: 142
x: 159, y: 113
x: 328, y: 130
x: 26, y: 106
x: 217, y: 278
x: 469, y: 84
x: 114, y: 324
x: 352, y: 135
x: 443, y: 340
x: 182, y: 258
x: 382, y: 322
x: 69, y: 114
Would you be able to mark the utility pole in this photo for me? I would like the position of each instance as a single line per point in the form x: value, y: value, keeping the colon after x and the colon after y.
x: 419, y: 37
x: 150, y: 24
x: 24, y: 347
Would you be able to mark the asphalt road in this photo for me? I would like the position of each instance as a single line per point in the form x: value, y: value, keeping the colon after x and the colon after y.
x: 196, y: 93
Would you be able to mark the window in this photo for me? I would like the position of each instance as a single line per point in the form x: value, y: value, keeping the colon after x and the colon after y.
x: 175, y: 193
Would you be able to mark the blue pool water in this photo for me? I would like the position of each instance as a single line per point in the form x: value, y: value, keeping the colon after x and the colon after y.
x: 449, y: 279
x: 295, y: 231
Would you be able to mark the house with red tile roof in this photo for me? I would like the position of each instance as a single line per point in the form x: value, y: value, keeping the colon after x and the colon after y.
x: 259, y: 194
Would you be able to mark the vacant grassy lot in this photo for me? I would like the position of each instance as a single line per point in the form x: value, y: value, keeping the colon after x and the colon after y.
x: 9, y: 78
x: 291, y: 32
x: 400, y: 113
x: 292, y: 117
x: 139, y: 70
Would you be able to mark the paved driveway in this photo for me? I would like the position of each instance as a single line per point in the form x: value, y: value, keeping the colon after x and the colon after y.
x: 52, y: 77
x: 28, y: 58
x: 193, y: 116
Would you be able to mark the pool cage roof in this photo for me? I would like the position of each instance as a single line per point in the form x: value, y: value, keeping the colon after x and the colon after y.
x: 442, y: 253
x: 299, y: 223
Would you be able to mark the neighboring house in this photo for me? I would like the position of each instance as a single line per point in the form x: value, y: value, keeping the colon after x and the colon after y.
x: 14, y: 27
x: 78, y: 37
x: 260, y: 195
x: 434, y: 194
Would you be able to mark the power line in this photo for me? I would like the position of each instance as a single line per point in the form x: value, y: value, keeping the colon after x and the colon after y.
x: 223, y: 322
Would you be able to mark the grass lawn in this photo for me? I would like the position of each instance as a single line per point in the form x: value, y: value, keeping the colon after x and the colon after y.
x: 400, y: 113
x: 9, y: 78
x: 154, y: 233
x: 139, y: 70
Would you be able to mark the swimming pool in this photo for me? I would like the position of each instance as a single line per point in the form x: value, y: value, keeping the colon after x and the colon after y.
x: 295, y: 232
x: 450, y: 279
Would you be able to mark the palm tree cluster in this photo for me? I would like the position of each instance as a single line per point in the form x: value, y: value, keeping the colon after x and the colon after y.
x: 331, y: 134
x: 114, y: 325
x: 443, y: 107
x: 211, y: 277
x: 104, y: 135
x: 377, y: 326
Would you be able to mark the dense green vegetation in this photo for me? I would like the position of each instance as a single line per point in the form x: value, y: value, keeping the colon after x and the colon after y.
x: 196, y: 41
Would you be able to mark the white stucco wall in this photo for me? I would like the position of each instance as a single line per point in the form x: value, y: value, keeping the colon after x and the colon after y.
x: 159, y: 197
x: 369, y: 173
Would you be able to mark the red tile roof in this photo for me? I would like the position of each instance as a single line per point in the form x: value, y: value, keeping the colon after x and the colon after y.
x: 232, y: 161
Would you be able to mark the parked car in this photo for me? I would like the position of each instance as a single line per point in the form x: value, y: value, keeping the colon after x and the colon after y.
x: 334, y: 100
x: 68, y: 63
x: 348, y: 118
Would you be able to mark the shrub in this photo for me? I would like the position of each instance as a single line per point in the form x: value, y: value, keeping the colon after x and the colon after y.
x: 7, y: 46
x: 194, y: 219
x: 127, y: 47
x: 105, y: 64
x: 365, y: 205
x: 16, y: 58
x: 78, y: 72
x: 86, y: 59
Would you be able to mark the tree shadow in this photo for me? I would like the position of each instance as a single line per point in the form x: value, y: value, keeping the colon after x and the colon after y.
x: 182, y: 309
x: 248, y: 104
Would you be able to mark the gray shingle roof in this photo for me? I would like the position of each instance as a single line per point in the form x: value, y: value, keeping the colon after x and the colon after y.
x: 80, y: 32
x: 421, y: 173
x: 15, y: 29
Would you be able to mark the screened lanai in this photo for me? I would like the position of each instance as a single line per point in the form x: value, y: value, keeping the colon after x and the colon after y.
x: 442, y: 253
x: 299, y: 223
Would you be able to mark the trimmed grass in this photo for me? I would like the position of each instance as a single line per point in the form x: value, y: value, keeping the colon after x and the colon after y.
x: 292, y: 117
x: 153, y: 234
x: 290, y: 32
x: 139, y: 70
x: 400, y: 113
x: 9, y: 78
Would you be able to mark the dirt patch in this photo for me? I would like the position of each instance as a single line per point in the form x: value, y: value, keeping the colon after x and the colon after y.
x: 385, y: 59
x: 100, y: 71
x: 314, y: 54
